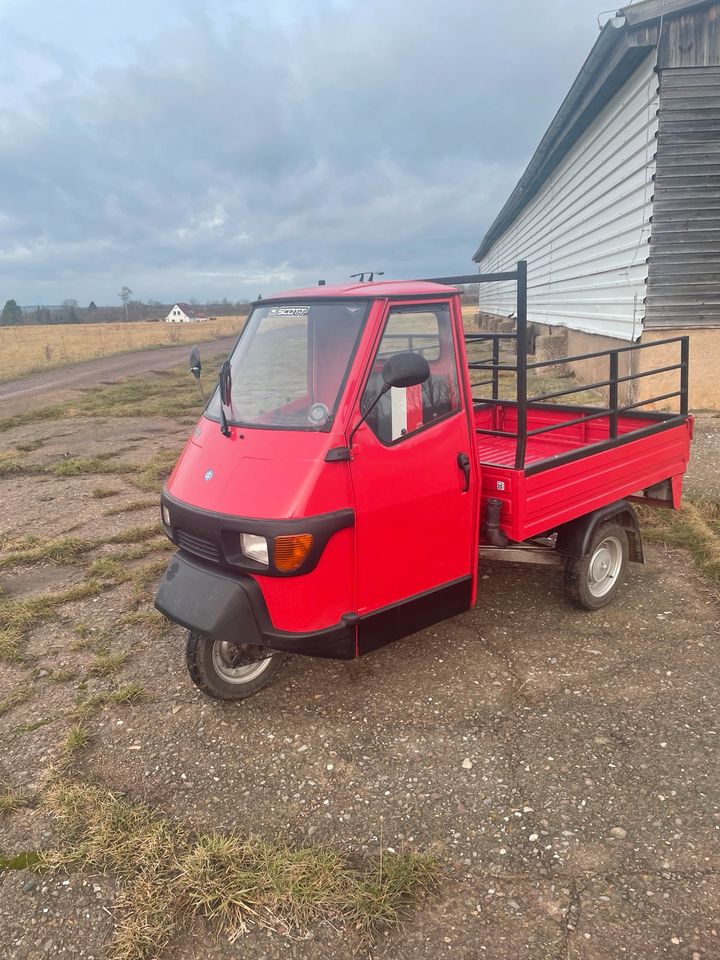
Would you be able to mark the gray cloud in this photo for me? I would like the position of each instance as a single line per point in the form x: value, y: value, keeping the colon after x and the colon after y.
x: 226, y: 157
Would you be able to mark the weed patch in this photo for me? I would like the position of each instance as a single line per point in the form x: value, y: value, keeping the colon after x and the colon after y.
x: 155, y: 472
x: 693, y: 528
x: 57, y: 550
x: 14, y: 699
x: 171, y: 876
x: 105, y: 664
x: 11, y: 800
x: 137, y: 534
x: 88, y: 707
x: 19, y: 616
x: 102, y: 493
x: 82, y: 466
x: 131, y: 507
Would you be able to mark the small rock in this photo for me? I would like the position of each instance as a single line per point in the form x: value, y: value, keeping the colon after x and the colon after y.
x: 675, y: 940
x: 533, y: 837
x: 618, y: 833
x: 467, y: 764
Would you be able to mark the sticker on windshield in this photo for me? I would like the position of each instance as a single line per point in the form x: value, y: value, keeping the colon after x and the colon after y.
x: 288, y: 311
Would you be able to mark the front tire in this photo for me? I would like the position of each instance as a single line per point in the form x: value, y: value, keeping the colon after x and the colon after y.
x: 226, y: 671
x: 592, y: 582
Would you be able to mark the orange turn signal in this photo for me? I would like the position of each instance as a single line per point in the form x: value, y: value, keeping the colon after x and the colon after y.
x: 291, y: 551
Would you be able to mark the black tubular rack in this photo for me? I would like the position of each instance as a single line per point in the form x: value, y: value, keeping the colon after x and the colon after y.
x: 494, y: 367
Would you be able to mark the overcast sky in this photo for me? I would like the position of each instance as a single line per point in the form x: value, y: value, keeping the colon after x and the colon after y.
x: 211, y: 148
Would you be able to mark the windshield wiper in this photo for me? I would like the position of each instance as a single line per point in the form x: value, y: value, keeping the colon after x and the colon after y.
x: 225, y: 384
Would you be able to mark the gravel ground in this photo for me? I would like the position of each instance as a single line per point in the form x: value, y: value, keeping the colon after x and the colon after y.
x: 562, y: 765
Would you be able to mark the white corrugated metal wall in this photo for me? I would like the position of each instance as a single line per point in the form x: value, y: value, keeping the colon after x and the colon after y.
x: 585, y: 234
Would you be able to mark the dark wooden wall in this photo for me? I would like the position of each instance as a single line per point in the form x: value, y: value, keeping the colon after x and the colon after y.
x: 684, y: 265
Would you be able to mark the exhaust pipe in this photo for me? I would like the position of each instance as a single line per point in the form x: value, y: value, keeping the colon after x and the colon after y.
x: 491, y: 528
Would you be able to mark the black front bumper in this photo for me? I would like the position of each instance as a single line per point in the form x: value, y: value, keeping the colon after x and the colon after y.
x: 227, y: 606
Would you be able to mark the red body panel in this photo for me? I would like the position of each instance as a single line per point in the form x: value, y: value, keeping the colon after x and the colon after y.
x: 544, y: 500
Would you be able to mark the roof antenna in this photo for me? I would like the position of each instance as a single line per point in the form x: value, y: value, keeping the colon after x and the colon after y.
x: 371, y: 274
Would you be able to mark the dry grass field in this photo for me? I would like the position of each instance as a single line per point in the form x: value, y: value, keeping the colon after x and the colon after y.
x: 29, y: 349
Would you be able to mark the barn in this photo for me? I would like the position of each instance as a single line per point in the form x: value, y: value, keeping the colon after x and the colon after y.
x: 618, y: 211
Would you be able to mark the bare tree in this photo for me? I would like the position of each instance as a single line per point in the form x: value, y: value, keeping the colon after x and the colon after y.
x: 125, y: 294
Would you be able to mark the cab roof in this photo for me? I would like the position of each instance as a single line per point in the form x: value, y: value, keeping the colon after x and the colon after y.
x: 371, y: 289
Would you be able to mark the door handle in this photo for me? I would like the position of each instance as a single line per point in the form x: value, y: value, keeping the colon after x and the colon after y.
x: 463, y: 462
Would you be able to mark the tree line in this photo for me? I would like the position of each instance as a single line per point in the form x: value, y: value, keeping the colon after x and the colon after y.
x: 70, y: 311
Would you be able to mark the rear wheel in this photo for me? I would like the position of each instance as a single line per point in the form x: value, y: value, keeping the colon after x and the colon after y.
x: 593, y: 581
x: 227, y: 671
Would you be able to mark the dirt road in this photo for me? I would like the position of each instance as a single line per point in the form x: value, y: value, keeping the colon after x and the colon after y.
x: 62, y: 383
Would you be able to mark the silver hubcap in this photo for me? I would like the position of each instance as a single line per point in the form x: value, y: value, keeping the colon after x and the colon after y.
x: 605, y: 566
x: 228, y: 662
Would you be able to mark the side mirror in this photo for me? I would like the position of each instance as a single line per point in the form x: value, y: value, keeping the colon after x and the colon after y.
x: 195, y: 365
x: 405, y: 370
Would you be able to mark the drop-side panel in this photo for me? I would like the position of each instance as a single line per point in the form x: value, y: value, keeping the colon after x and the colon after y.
x: 561, y: 493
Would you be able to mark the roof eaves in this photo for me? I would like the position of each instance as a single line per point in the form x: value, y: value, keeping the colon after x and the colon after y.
x: 649, y: 10
x: 611, y: 51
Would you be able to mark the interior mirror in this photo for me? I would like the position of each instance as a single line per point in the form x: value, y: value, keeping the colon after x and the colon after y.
x: 405, y: 370
x: 195, y: 365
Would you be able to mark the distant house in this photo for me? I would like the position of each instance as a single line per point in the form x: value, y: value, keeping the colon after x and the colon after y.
x: 618, y: 211
x: 184, y: 313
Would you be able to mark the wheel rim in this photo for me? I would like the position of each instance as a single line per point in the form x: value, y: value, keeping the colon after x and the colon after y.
x: 227, y: 660
x: 605, y: 566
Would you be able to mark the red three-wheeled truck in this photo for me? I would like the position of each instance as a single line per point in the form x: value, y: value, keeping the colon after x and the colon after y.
x: 346, y: 471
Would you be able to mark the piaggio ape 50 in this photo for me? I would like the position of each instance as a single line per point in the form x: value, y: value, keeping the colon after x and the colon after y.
x: 335, y: 492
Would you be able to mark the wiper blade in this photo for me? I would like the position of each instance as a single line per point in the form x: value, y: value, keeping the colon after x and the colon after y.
x: 225, y: 383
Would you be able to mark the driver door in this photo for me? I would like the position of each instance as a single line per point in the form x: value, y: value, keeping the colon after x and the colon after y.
x: 414, y: 491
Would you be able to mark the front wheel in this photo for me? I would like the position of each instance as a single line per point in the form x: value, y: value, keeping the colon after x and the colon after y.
x: 593, y: 581
x: 227, y: 671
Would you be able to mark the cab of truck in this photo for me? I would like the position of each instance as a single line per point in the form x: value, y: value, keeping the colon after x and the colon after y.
x: 320, y: 506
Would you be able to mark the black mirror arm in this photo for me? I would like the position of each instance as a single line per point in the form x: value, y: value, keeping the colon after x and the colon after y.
x: 361, y: 421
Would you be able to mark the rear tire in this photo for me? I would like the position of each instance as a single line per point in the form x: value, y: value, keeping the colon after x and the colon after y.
x: 592, y: 582
x: 227, y: 671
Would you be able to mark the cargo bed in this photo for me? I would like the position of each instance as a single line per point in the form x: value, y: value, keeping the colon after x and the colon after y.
x: 550, y: 461
x: 572, y: 470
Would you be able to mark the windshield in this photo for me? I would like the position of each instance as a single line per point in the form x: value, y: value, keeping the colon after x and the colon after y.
x: 290, y: 364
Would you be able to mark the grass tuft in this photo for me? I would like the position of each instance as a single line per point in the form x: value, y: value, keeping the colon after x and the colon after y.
x: 56, y: 550
x: 82, y: 466
x: 102, y: 493
x: 19, y: 616
x: 14, y: 699
x: 134, y: 507
x: 155, y: 472
x: 11, y: 800
x: 108, y: 569
x: 88, y: 707
x: 137, y: 534
x: 76, y: 738
x: 171, y: 876
x: 106, y: 664
x: 695, y: 528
